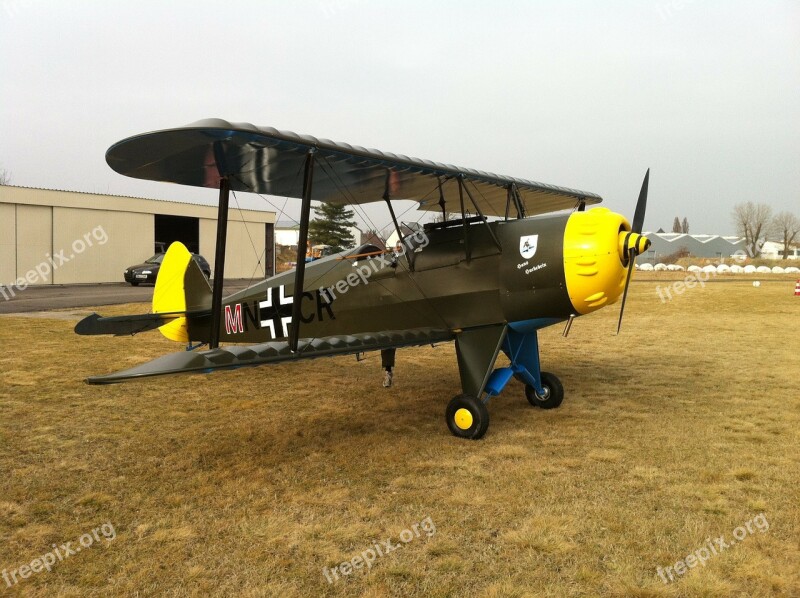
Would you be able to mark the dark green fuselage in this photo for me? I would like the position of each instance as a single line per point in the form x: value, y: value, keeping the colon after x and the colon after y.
x: 456, y: 278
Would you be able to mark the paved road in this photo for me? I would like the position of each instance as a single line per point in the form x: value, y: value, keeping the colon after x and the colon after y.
x: 41, y: 298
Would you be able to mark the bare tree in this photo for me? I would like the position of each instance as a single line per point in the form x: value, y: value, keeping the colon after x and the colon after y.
x: 676, y: 225
x: 786, y: 226
x: 685, y: 226
x: 5, y: 177
x: 752, y: 222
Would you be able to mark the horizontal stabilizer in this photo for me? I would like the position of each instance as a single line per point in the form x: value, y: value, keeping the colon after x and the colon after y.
x: 128, y: 325
x: 236, y: 356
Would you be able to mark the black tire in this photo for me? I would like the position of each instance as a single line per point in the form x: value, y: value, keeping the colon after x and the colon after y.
x: 467, y: 417
x: 554, y: 392
x: 134, y: 283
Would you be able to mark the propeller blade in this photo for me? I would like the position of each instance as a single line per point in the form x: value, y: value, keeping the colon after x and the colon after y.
x: 631, y: 265
x: 638, y: 223
x: 641, y: 206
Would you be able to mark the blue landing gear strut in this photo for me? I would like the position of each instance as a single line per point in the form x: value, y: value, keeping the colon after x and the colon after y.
x: 523, y: 351
x: 542, y: 389
x: 477, y: 350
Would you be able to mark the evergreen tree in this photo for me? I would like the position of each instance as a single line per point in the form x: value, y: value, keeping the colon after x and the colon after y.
x: 685, y: 225
x: 331, y: 226
x: 676, y: 225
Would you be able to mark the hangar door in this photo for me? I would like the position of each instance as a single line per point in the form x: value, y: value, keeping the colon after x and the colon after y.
x: 177, y: 228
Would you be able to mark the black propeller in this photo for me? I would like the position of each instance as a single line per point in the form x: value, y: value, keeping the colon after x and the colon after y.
x: 636, y: 228
x: 641, y: 205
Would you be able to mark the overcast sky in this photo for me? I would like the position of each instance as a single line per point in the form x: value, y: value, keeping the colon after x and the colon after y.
x: 580, y: 94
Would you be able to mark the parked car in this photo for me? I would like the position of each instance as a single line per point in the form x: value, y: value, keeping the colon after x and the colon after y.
x: 147, y: 271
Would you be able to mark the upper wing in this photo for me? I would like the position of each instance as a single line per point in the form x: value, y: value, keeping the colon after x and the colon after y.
x: 265, y: 160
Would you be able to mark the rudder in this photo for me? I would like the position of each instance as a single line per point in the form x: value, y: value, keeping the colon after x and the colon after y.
x: 180, y: 287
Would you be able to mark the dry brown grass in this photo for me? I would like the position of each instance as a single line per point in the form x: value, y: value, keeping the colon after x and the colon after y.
x: 250, y: 482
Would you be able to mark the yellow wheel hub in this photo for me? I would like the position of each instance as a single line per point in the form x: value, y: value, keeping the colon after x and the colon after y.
x: 463, y: 419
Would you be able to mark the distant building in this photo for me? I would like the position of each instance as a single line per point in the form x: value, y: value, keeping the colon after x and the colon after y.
x: 706, y: 246
x: 407, y: 230
x: 702, y: 246
x: 372, y: 238
x: 66, y: 237
x: 773, y: 250
x: 287, y: 233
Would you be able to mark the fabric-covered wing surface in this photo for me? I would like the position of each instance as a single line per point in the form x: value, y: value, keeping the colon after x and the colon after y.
x: 237, y: 356
x: 265, y: 160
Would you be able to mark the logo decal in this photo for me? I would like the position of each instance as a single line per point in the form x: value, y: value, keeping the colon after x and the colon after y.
x: 276, y: 312
x: 527, y: 246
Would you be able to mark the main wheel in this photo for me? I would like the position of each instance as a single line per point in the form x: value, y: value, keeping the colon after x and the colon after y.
x: 467, y: 417
x: 553, y: 392
x: 134, y: 283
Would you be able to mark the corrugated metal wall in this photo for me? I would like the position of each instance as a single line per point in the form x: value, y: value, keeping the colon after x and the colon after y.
x: 48, y: 237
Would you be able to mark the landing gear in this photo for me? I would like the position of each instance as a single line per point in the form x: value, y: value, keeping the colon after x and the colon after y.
x: 467, y: 417
x: 477, y: 350
x: 551, y: 397
x: 387, y: 363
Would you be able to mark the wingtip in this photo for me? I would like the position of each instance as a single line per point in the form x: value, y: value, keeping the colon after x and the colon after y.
x: 87, y: 325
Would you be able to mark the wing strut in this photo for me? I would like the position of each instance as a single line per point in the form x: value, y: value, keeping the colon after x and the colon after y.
x: 406, y: 249
x: 441, y: 200
x: 219, y: 261
x: 302, y: 244
x: 486, y: 222
x: 464, y: 218
x: 518, y: 201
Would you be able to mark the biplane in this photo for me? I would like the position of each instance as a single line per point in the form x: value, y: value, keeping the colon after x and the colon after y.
x: 508, y: 257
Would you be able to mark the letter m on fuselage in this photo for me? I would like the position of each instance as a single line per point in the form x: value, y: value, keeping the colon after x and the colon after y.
x: 233, y: 319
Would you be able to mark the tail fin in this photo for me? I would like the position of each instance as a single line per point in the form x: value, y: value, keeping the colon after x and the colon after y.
x: 180, y: 287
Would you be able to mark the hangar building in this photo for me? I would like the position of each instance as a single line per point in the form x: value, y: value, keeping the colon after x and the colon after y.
x: 702, y: 246
x: 66, y: 237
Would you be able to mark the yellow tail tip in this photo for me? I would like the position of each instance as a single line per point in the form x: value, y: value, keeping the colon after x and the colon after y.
x: 170, y: 294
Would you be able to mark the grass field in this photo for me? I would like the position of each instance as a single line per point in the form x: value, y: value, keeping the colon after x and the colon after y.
x: 682, y: 430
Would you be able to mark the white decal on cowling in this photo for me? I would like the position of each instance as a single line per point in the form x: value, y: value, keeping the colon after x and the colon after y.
x: 536, y: 268
x: 527, y: 246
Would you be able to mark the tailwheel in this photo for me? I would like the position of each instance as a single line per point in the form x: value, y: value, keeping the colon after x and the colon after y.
x: 467, y: 417
x: 553, y: 392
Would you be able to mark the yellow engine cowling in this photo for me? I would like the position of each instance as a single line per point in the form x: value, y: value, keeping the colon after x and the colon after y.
x: 596, y: 249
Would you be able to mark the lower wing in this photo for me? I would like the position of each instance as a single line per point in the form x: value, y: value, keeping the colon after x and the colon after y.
x: 236, y: 356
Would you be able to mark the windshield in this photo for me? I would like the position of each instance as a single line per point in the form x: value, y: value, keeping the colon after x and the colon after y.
x: 156, y: 259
